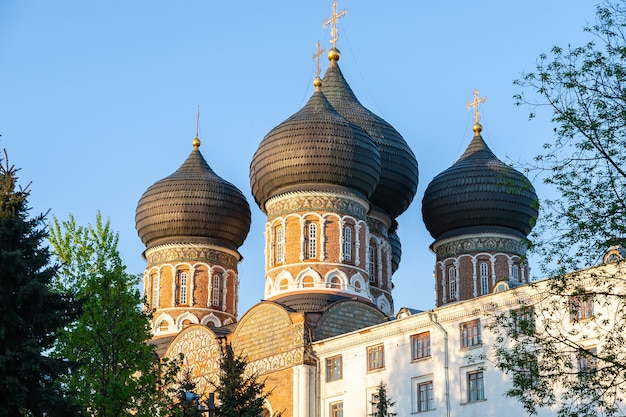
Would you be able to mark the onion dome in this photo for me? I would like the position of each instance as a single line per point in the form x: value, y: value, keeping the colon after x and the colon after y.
x: 479, y: 193
x: 193, y: 205
x: 399, y: 173
x: 315, y: 149
x: 396, y: 251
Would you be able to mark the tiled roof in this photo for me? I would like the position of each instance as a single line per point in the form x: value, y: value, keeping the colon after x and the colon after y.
x: 479, y: 193
x: 399, y: 173
x: 193, y: 205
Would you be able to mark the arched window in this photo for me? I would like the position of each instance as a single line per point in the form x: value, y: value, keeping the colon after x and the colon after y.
x: 279, y: 245
x: 284, y: 284
x: 371, y: 265
x: 452, y: 281
x: 307, y: 282
x: 155, y: 291
x: 183, y: 288
x: 312, y: 240
x: 335, y: 282
x: 484, y: 278
x: 215, y: 290
x: 347, y: 244
x: 515, y: 273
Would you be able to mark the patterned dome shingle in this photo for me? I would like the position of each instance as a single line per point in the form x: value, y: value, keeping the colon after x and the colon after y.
x: 479, y: 193
x: 313, y: 149
x: 399, y: 173
x: 193, y: 205
x: 396, y: 251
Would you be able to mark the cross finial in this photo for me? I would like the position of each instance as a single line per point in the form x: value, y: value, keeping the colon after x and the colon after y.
x: 316, y: 57
x: 332, y: 20
x: 475, y: 103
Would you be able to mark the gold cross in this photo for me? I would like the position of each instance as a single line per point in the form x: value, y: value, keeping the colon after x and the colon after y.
x: 475, y: 103
x: 316, y: 56
x: 332, y: 20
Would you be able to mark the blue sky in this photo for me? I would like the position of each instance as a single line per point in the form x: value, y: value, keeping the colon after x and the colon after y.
x: 98, y: 99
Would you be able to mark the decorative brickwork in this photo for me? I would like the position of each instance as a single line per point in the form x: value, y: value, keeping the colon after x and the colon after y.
x: 190, y: 253
x: 480, y: 244
x: 293, y: 202
x: 202, y: 352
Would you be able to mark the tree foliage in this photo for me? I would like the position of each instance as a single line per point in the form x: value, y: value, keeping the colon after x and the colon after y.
x: 118, y: 372
x: 565, y: 348
x: 585, y: 89
x: 30, y: 313
x: 383, y: 404
x: 239, y: 393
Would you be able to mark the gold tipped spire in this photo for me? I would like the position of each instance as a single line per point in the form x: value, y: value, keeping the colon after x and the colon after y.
x: 316, y: 57
x: 332, y: 21
x: 196, y: 141
x: 477, y: 128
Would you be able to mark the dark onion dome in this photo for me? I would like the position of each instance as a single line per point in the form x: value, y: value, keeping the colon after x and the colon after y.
x: 315, y: 149
x: 399, y: 173
x: 193, y: 205
x: 479, y: 193
x: 396, y: 251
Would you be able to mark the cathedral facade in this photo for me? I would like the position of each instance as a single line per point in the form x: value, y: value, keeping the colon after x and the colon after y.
x: 332, y: 180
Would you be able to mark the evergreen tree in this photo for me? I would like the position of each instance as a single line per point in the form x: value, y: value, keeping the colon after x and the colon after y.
x: 30, y: 313
x: 118, y: 373
x: 238, y: 394
x: 383, y: 404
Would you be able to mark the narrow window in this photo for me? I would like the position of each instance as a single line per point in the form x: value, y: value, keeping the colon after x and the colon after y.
x: 475, y: 386
x: 371, y: 265
x: 425, y: 396
x: 420, y: 345
x: 334, y: 368
x: 470, y: 333
x: 312, y: 240
x: 347, y: 244
x: 452, y: 281
x: 375, y: 357
x: 515, y: 273
x: 215, y: 291
x: 155, y: 291
x: 336, y: 409
x: 523, y: 320
x: 183, y: 288
x: 279, y: 245
x: 587, y: 360
x: 484, y: 278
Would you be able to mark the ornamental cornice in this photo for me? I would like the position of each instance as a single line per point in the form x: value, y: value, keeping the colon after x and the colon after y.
x: 191, y: 253
x: 377, y: 227
x: 318, y: 201
x: 277, y: 362
x: 480, y: 244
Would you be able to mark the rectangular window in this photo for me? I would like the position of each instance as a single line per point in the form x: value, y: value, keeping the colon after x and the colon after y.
x: 375, y: 357
x: 312, y: 240
x: 587, y: 360
x: 475, y: 386
x: 215, y: 292
x: 336, y: 409
x: 333, y: 368
x: 582, y: 307
x: 420, y: 345
x: 484, y: 279
x: 279, y: 245
x: 425, y: 396
x: 523, y: 320
x: 373, y: 403
x: 470, y: 333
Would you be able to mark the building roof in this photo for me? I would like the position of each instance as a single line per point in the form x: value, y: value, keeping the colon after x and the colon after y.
x: 314, y: 148
x: 477, y: 194
x: 193, y: 205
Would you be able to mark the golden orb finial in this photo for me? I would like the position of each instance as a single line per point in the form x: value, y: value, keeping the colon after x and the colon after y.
x: 477, y: 128
x: 196, y: 142
x: 334, y: 54
x: 317, y: 82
